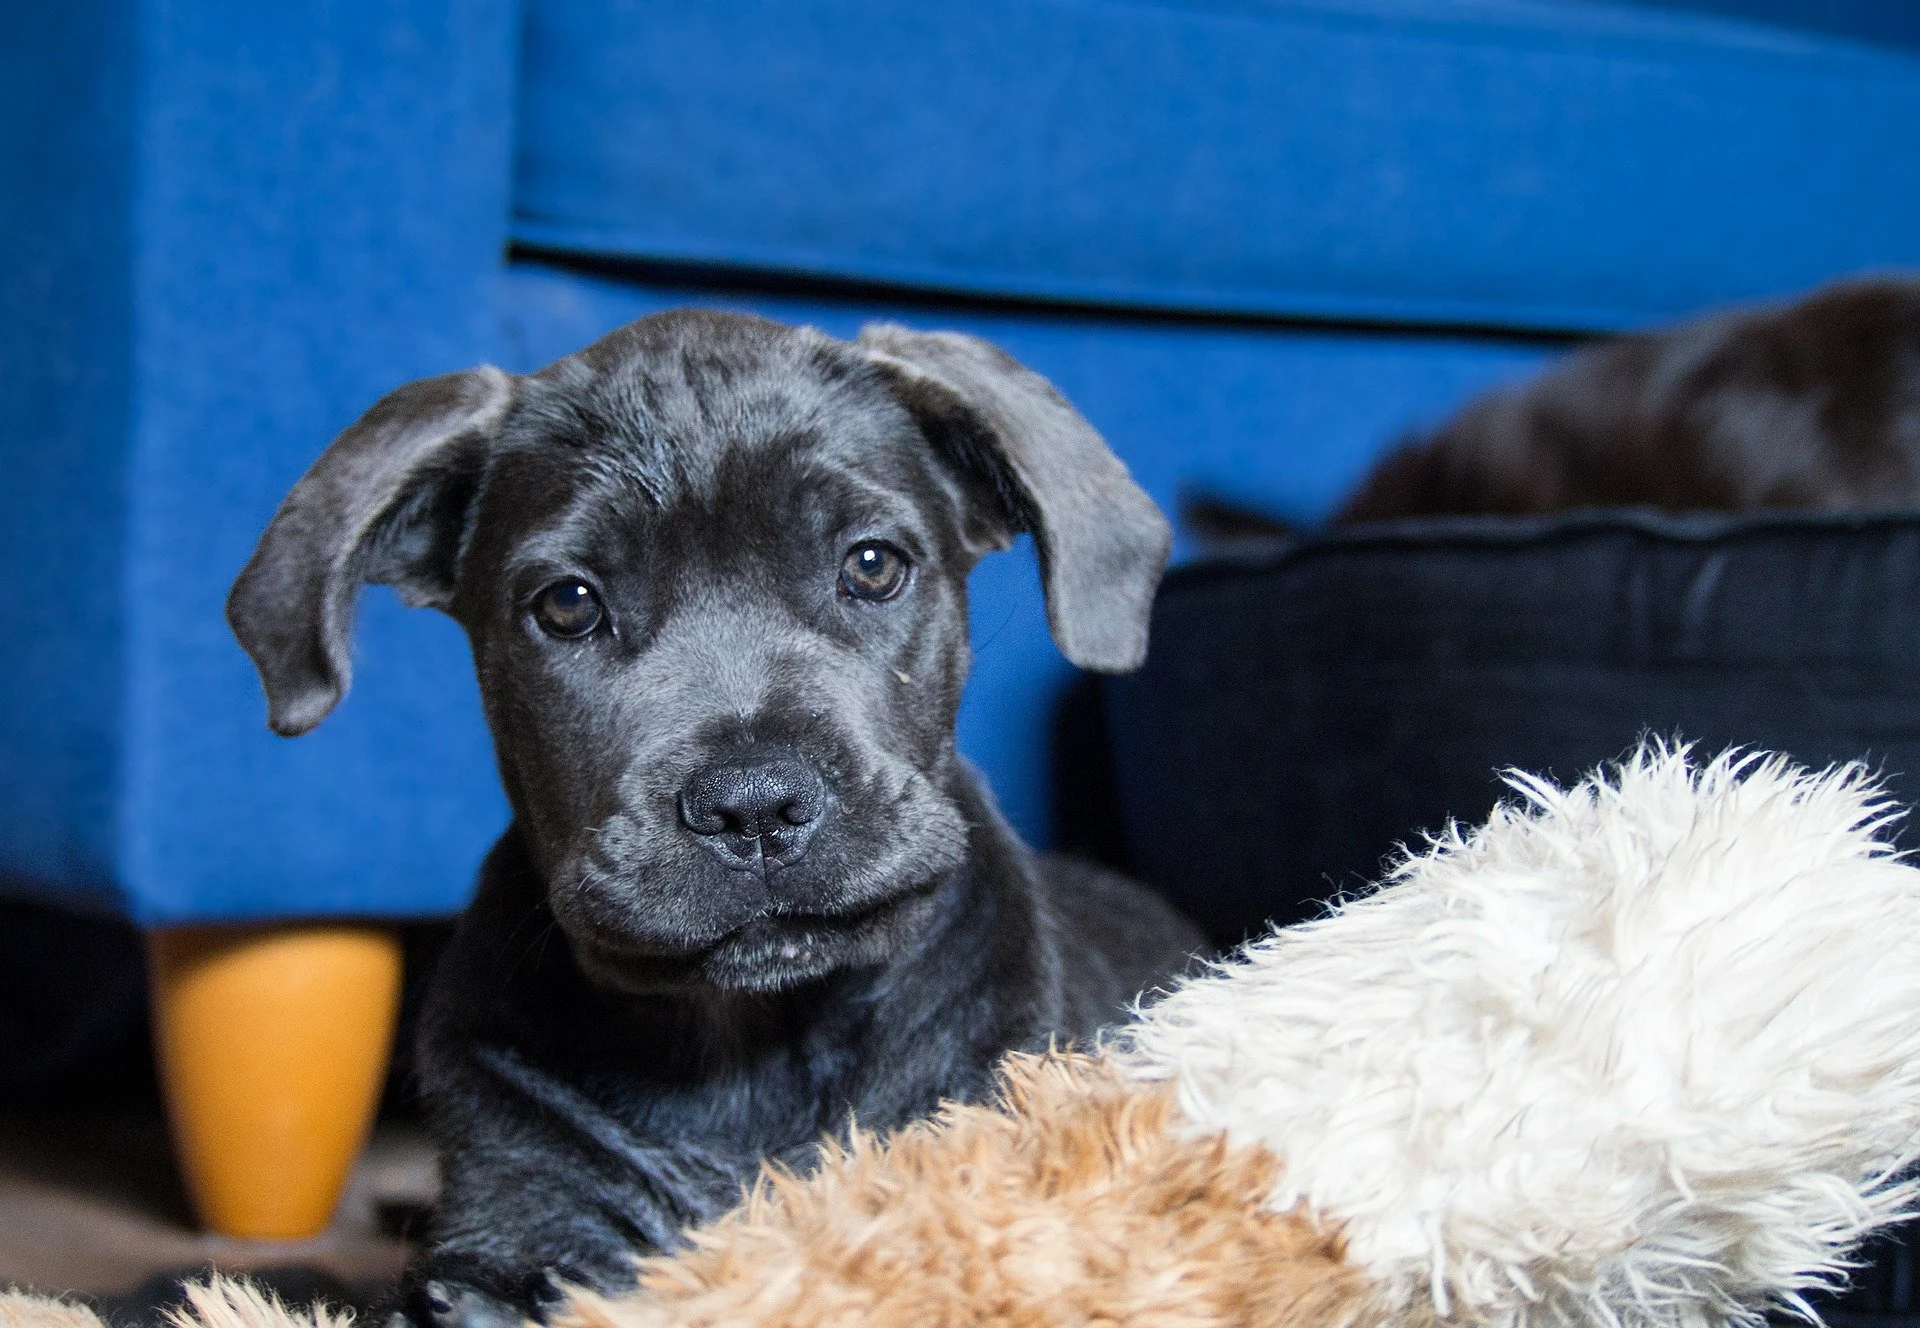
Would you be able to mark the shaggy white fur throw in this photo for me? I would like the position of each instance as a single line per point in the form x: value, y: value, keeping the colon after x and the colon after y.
x: 1647, y: 1050
x: 1644, y: 1053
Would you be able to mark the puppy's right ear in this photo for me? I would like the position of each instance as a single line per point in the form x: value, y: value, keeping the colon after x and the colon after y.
x: 387, y: 503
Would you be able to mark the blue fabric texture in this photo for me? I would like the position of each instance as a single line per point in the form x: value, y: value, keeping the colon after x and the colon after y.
x: 65, y: 362
x: 1555, y: 165
x: 1894, y: 24
x: 240, y: 225
x: 232, y: 227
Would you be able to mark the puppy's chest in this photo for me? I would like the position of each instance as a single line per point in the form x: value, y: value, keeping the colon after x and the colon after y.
x: 775, y: 1100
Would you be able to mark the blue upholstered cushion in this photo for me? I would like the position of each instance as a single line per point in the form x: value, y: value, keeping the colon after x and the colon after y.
x: 1487, y: 161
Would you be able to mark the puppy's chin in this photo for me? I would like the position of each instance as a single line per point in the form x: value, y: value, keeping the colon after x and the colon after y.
x: 768, y: 954
x: 775, y: 953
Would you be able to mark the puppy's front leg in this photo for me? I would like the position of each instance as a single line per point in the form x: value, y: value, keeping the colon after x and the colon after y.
x: 439, y: 1303
x: 542, y: 1190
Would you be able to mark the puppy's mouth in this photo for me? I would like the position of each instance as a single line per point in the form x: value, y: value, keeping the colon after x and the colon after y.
x: 772, y: 951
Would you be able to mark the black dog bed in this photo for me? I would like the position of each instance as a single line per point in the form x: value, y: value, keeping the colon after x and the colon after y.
x: 1300, y: 716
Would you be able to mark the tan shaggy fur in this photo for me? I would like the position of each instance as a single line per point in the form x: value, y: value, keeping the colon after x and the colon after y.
x: 1070, y: 1202
x: 1075, y: 1204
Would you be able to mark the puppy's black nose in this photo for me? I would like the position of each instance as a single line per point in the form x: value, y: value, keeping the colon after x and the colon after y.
x: 762, y: 809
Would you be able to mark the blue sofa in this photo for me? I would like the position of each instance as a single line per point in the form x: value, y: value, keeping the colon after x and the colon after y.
x: 1253, y: 240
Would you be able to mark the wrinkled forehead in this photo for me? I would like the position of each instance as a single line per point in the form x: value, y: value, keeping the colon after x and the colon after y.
x: 744, y: 422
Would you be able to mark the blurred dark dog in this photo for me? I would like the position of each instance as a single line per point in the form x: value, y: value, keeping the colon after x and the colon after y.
x: 1813, y: 404
x: 713, y: 571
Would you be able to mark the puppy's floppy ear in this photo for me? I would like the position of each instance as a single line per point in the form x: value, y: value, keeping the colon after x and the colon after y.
x: 386, y: 503
x: 1103, y: 544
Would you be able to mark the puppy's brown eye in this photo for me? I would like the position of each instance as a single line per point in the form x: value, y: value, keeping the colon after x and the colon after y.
x: 873, y: 570
x: 567, y: 609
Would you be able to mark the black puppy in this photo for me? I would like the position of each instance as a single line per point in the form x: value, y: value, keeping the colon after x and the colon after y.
x: 1810, y: 404
x: 713, y: 571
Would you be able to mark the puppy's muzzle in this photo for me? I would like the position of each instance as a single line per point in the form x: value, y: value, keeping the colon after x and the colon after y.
x: 755, y: 813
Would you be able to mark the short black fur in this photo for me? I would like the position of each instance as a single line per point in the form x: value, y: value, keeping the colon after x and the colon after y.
x: 1812, y: 404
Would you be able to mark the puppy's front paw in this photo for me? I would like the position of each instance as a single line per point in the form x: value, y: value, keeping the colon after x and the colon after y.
x: 447, y: 1304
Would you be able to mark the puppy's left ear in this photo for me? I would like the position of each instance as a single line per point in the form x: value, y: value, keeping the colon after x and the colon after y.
x: 1103, y: 544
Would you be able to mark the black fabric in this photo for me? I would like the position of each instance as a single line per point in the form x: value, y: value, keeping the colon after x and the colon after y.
x: 1299, y: 717
x: 73, y: 1010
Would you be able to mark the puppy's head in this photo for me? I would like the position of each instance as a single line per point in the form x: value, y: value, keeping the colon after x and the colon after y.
x: 714, y: 575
